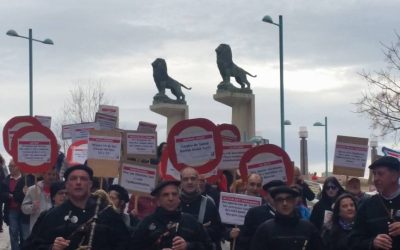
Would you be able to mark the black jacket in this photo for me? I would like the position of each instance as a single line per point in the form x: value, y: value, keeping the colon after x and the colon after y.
x: 157, y: 230
x: 287, y: 233
x: 372, y: 219
x: 254, y: 218
x: 336, y: 238
x: 318, y: 212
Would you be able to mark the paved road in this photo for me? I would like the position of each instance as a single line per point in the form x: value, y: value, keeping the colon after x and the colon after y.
x: 4, y: 239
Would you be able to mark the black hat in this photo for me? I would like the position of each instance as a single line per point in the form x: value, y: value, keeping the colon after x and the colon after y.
x: 386, y: 161
x: 122, y: 192
x: 55, y: 187
x: 283, y: 189
x: 78, y: 167
x: 273, y: 183
x: 163, y: 184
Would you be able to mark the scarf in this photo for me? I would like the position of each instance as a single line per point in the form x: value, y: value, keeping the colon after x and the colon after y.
x: 346, y: 225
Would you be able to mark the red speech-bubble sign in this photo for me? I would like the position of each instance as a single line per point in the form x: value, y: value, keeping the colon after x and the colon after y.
x: 196, y: 143
x: 13, y: 125
x: 270, y: 161
x: 34, y: 149
x: 77, y: 152
x: 229, y: 132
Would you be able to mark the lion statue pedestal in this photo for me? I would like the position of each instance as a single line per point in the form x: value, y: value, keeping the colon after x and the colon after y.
x: 243, y: 112
x: 173, y: 112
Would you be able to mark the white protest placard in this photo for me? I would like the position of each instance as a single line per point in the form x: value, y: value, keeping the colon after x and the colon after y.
x: 195, y: 148
x: 171, y: 171
x: 44, y: 120
x: 35, y: 151
x: 233, y: 207
x: 81, y: 131
x: 270, y: 170
x: 231, y: 155
x: 138, y: 178
x: 141, y: 144
x: 351, y: 155
x: 146, y: 127
x: 104, y: 147
x: 109, y: 110
x: 77, y: 152
x: 66, y: 131
x: 106, y: 122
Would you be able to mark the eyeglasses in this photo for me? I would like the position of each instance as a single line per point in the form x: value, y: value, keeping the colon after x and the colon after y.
x: 331, y: 187
x: 282, y: 199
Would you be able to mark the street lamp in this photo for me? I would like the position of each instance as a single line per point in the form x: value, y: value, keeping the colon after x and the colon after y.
x: 46, y: 41
x: 268, y: 19
x: 319, y: 124
x: 303, y: 134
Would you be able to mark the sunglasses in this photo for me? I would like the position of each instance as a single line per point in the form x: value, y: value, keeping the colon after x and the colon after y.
x: 331, y: 187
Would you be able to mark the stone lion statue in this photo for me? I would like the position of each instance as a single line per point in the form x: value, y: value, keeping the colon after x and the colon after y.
x: 227, y: 68
x: 164, y: 81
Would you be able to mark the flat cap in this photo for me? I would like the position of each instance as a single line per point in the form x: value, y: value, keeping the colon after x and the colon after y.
x: 283, y: 190
x: 386, y: 161
x: 163, y: 184
x: 122, y: 192
x: 78, y: 167
x: 272, y: 184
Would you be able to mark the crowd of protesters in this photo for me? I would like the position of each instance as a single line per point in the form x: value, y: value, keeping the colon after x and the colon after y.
x: 68, y: 210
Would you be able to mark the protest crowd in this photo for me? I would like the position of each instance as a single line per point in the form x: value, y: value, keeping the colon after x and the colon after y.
x: 70, y: 207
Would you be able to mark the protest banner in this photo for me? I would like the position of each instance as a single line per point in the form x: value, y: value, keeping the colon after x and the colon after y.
x: 109, y: 110
x: 229, y: 132
x: 139, y: 145
x: 146, y: 127
x: 105, y: 121
x: 391, y: 152
x: 13, y: 125
x: 196, y: 143
x: 350, y: 156
x: 77, y: 152
x: 270, y: 161
x: 80, y: 131
x: 44, y: 120
x: 138, y: 178
x: 233, y: 207
x: 66, y: 131
x: 104, y: 152
x: 232, y: 154
x: 34, y: 149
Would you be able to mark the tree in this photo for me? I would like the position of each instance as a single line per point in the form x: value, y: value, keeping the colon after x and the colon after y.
x: 381, y: 101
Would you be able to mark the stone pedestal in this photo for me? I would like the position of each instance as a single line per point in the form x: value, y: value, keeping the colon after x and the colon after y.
x: 173, y: 112
x: 243, y: 112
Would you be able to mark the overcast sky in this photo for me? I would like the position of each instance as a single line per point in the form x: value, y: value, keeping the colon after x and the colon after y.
x: 326, y: 43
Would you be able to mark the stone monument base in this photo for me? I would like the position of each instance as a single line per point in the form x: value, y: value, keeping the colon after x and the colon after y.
x: 173, y: 112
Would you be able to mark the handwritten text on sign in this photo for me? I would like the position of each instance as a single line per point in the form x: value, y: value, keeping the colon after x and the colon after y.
x: 233, y: 207
x: 34, y: 152
x: 231, y: 155
x: 138, y: 178
x: 195, y: 148
x: 104, y: 148
x: 141, y: 143
x: 269, y: 170
x: 351, y: 155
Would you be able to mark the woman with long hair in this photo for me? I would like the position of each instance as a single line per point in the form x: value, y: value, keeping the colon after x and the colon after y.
x: 322, y: 210
x: 336, y: 231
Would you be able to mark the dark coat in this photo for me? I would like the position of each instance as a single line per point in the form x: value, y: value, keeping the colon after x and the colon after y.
x: 153, y: 233
x: 372, y: 219
x: 318, y: 212
x: 287, y: 233
x: 336, y: 238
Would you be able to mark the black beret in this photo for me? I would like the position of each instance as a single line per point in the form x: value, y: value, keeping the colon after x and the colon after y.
x: 163, y: 184
x: 283, y: 189
x: 78, y: 167
x: 273, y: 183
x: 386, y: 161
x: 122, y: 192
x: 55, y: 187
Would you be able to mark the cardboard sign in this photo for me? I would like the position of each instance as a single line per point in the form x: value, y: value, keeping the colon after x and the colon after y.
x: 44, y: 120
x: 66, y: 132
x: 77, y: 153
x: 390, y: 152
x: 140, y: 145
x: 109, y: 110
x: 13, y: 125
x: 196, y: 143
x: 233, y: 207
x: 106, y: 122
x: 104, y: 152
x: 229, y: 132
x: 34, y: 149
x: 232, y: 154
x: 138, y: 178
x: 270, y: 161
x: 80, y: 131
x: 146, y: 127
x: 350, y: 156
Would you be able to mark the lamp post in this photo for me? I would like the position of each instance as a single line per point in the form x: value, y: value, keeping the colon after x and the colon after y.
x: 319, y: 124
x: 374, y: 153
x: 46, y: 41
x: 268, y: 19
x: 303, y: 134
